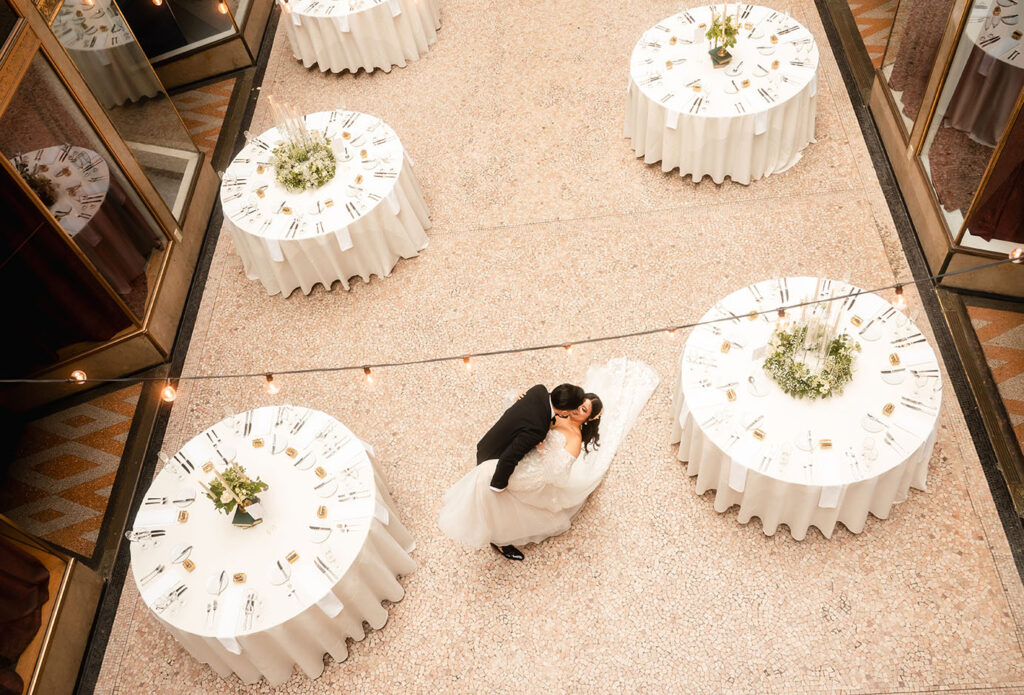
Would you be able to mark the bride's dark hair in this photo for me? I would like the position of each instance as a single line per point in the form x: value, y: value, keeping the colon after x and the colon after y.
x: 589, y: 429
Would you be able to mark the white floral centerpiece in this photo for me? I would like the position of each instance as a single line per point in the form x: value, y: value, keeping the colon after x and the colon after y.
x: 812, y: 359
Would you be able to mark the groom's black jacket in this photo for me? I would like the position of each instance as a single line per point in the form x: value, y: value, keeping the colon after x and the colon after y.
x: 519, y: 429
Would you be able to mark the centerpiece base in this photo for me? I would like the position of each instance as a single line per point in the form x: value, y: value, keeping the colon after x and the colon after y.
x: 243, y: 519
x: 719, y: 57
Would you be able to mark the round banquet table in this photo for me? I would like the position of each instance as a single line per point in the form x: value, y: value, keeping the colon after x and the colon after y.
x: 95, y: 212
x: 258, y: 600
x: 804, y: 462
x: 993, y: 74
x: 360, y: 223
x: 105, y: 52
x: 351, y: 34
x: 725, y: 129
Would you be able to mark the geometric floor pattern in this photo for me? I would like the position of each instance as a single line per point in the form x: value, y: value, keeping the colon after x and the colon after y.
x: 1001, y: 334
x: 203, y: 110
x: 874, y: 20
x: 58, y: 484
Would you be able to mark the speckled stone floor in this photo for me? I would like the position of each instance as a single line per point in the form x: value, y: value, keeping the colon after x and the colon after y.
x: 547, y: 229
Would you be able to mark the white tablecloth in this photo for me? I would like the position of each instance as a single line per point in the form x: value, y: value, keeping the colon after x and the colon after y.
x: 369, y: 34
x: 326, y: 506
x: 724, y: 129
x: 360, y: 223
x: 990, y: 66
x: 792, y: 476
x: 105, y: 52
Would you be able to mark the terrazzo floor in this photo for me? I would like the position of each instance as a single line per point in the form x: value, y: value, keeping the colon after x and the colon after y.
x: 548, y: 230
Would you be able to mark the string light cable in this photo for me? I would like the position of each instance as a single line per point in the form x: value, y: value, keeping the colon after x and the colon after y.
x: 168, y: 393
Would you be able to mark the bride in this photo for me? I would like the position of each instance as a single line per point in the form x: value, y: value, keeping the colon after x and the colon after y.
x: 551, y: 483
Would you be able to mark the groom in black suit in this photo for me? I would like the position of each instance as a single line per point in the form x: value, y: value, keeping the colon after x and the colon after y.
x: 519, y: 429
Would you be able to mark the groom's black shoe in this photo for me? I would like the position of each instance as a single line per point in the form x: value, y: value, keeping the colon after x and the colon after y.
x: 509, y: 551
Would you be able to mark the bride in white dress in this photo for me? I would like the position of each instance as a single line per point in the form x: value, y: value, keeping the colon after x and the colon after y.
x: 551, y: 483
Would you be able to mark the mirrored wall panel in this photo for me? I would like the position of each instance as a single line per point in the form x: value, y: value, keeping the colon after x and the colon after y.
x: 53, y: 147
x: 973, y: 111
x: 911, y: 53
x: 103, y: 48
x: 168, y: 28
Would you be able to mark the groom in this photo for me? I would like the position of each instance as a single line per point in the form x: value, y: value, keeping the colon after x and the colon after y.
x: 519, y: 429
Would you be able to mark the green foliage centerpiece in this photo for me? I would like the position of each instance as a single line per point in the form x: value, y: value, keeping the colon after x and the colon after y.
x: 723, y: 31
x: 304, y: 159
x: 40, y: 185
x: 234, y: 491
x: 812, y: 359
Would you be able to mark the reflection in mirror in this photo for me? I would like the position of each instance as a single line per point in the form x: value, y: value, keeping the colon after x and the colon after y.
x: 169, y: 28
x: 997, y: 220
x: 105, y: 52
x: 977, y: 100
x: 53, y: 147
x: 911, y: 52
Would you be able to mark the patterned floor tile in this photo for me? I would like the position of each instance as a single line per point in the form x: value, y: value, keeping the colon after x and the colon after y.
x: 874, y: 20
x: 1001, y: 334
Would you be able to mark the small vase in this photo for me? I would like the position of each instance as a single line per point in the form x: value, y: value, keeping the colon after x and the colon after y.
x: 719, y: 57
x: 243, y: 518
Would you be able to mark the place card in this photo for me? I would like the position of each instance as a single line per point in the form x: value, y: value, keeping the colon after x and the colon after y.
x: 894, y: 359
x: 291, y: 452
x: 182, y: 516
x: 759, y: 434
x: 825, y: 444
x: 887, y: 409
x: 257, y: 443
x: 726, y: 346
x: 321, y: 512
x: 856, y: 320
x: 238, y: 578
x: 730, y: 394
x: 188, y: 565
x: 208, y: 467
x: 320, y: 472
x: 291, y: 557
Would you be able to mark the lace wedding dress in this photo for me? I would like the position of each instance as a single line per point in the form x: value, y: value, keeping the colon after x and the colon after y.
x: 549, y: 485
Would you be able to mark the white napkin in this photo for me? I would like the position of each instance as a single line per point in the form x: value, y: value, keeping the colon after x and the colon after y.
x: 316, y: 586
x: 344, y: 238
x: 671, y: 118
x: 159, y: 586
x: 296, y: 18
x: 231, y: 602
x: 342, y: 23
x: 274, y: 250
x: 369, y: 449
x: 380, y: 512
x: 155, y: 517
x: 760, y: 122
x: 393, y: 202
x: 737, y: 475
x: 829, y: 497
x: 814, y: 83
x: 396, y: 9
x: 103, y: 56
x: 987, y: 61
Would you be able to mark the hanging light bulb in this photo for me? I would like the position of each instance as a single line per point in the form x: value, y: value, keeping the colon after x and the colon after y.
x: 467, y: 363
x: 222, y: 7
x: 1017, y: 255
x: 368, y: 376
x: 270, y: 387
x: 78, y: 376
x: 900, y: 301
x: 158, y: 3
x: 568, y: 350
x: 168, y: 393
x: 782, y: 312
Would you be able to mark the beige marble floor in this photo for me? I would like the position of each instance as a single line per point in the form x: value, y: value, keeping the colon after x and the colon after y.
x: 547, y: 229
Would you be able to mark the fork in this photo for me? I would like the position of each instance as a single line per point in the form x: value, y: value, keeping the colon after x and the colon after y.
x: 153, y: 574
x: 322, y: 566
